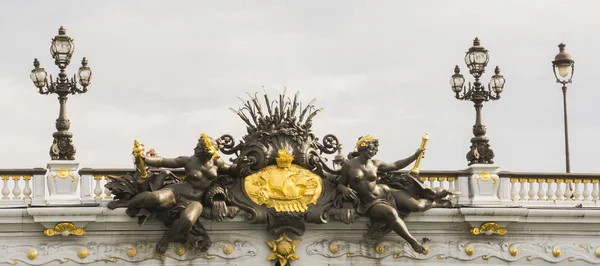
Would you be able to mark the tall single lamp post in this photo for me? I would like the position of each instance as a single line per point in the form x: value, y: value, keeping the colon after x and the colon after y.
x: 564, y: 67
x: 62, y: 49
x: 476, y: 60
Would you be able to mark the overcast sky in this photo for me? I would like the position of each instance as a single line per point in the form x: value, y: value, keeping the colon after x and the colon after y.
x: 165, y: 71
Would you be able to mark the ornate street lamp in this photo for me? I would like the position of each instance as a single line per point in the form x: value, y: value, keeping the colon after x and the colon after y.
x: 62, y: 49
x: 476, y: 60
x: 564, y: 67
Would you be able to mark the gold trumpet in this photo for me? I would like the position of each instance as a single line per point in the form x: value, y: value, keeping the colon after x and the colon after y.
x: 138, y: 154
x: 415, y: 169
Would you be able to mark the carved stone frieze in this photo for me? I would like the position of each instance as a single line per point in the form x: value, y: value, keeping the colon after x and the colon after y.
x: 114, y: 252
x: 461, y: 250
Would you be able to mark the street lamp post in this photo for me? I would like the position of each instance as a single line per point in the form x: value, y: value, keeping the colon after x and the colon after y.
x: 476, y: 60
x: 564, y: 67
x: 62, y: 49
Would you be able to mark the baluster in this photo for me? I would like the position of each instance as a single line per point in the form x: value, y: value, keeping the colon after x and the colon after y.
x: 16, y: 190
x: 514, y: 192
x: 451, y: 183
x: 559, y: 190
x: 595, y: 189
x: 586, y: 190
x: 98, y: 188
x: 5, y: 190
x: 432, y: 180
x: 107, y: 194
x: 541, y: 192
x: 578, y: 192
x: 27, y: 189
x: 532, y: 190
x: 443, y: 182
x: 568, y: 191
x: 522, y: 191
x: 424, y: 180
x: 550, y: 193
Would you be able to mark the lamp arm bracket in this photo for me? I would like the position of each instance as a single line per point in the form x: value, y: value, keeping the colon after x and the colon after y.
x: 75, y: 89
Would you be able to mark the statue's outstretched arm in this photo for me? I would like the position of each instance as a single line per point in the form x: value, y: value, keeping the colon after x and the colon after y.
x: 167, y: 162
x: 233, y: 169
x: 225, y: 167
x: 397, y: 165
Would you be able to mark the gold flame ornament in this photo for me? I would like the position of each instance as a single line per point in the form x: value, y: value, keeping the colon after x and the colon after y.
x: 285, y: 187
x: 424, y: 139
x: 138, y: 154
x: 209, y: 146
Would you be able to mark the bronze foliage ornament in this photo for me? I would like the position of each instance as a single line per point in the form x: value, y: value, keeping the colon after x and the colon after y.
x: 278, y: 174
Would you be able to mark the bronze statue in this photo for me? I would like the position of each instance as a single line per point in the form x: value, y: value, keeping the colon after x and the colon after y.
x: 359, y: 177
x: 200, y: 170
x: 278, y: 176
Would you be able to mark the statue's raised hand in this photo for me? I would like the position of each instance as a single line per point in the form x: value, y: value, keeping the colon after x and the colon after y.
x: 419, y: 151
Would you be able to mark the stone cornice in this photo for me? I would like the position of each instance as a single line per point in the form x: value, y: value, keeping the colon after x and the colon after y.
x: 453, y: 221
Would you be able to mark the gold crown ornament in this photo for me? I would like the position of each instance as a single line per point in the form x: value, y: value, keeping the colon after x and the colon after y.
x: 284, y: 160
x: 364, y: 141
x: 212, y: 150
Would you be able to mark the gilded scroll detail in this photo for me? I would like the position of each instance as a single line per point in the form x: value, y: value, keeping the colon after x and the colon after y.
x: 489, y: 228
x: 64, y: 229
x: 63, y: 173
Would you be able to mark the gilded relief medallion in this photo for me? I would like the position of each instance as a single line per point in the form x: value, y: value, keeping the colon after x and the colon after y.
x: 285, y: 187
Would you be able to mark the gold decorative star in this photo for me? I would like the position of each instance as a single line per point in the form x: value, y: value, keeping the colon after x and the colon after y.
x: 284, y: 249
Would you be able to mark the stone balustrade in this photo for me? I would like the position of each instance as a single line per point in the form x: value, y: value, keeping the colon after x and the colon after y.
x: 549, y: 188
x: 16, y: 186
x: 99, y: 178
x: 440, y: 179
x: 23, y: 187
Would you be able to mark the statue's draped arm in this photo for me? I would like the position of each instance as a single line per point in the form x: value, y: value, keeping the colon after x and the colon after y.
x: 343, y: 187
x: 344, y: 179
x: 167, y: 162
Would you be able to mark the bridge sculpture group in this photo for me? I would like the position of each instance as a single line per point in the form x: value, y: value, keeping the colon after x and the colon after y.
x: 279, y: 176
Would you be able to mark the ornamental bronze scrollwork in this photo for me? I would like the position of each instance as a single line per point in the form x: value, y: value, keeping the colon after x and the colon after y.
x: 279, y: 176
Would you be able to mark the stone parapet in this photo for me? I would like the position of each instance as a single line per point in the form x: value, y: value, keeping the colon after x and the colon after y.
x: 465, y: 236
